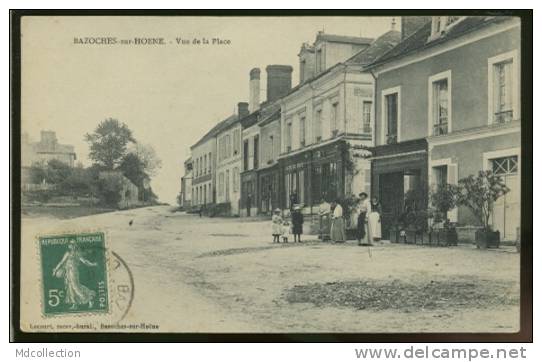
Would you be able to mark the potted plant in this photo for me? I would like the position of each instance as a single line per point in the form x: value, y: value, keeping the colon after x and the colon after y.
x: 415, y: 217
x: 479, y: 194
x: 444, y: 199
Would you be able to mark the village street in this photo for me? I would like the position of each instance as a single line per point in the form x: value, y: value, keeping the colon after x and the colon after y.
x: 196, y: 274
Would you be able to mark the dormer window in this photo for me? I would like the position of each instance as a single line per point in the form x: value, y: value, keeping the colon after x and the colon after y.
x: 440, y: 24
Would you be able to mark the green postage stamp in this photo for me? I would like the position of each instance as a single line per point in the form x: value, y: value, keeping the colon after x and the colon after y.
x: 74, y: 273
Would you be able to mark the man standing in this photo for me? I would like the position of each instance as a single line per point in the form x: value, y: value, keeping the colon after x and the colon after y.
x: 364, y: 207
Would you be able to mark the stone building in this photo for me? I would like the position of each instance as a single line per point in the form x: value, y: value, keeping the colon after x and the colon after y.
x: 257, y: 176
x: 186, y: 186
x: 203, y: 163
x: 229, y: 160
x: 41, y: 152
x: 327, y: 114
x: 448, y: 105
x: 47, y: 148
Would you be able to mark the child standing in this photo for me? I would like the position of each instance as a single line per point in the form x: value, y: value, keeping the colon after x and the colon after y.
x: 297, y: 223
x: 285, y: 231
x: 276, y: 226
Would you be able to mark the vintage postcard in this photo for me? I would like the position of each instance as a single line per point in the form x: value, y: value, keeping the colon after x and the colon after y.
x: 271, y: 174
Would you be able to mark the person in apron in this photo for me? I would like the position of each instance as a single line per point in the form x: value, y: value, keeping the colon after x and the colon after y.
x: 373, y: 222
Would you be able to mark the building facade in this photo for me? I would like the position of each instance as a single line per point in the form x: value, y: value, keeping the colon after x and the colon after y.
x: 46, y: 149
x: 327, y: 116
x: 229, y: 160
x: 448, y: 106
x: 203, y: 155
x: 185, y: 201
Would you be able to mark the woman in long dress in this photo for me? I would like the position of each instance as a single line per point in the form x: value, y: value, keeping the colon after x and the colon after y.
x: 374, y: 225
x: 338, y: 232
x: 68, y: 268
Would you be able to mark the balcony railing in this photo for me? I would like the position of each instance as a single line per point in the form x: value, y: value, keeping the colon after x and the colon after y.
x: 440, y: 129
x: 504, y: 116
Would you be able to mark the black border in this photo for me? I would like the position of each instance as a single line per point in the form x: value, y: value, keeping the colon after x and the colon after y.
x: 526, y: 301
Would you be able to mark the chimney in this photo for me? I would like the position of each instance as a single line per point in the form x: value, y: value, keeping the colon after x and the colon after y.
x: 279, y: 81
x: 409, y: 24
x: 242, y: 109
x: 254, y: 90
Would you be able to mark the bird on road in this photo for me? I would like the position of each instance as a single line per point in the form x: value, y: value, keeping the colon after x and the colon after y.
x: 131, y: 222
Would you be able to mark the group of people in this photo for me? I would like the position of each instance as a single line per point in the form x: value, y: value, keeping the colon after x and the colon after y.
x: 366, y: 214
x: 369, y: 227
x: 282, y: 228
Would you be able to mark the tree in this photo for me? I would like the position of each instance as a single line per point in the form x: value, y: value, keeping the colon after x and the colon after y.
x: 148, y: 157
x: 109, y: 142
x: 57, y: 171
x: 133, y: 168
x: 444, y: 198
x: 78, y: 183
x: 479, y: 194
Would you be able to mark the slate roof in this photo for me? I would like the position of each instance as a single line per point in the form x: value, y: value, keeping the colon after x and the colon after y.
x: 380, y: 46
x: 343, y: 39
x: 419, y: 39
x: 216, y: 129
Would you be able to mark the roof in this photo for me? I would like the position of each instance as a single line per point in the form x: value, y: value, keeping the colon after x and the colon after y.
x: 418, y: 40
x: 343, y: 39
x: 273, y: 116
x: 216, y: 129
x: 380, y: 46
x: 250, y: 120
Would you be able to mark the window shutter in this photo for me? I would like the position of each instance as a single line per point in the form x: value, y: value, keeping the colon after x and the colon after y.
x: 452, y: 180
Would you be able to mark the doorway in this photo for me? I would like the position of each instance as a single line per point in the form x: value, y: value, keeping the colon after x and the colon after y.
x: 506, y: 211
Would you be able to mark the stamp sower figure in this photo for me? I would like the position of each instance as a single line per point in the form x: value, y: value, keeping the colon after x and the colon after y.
x: 297, y: 223
x: 374, y: 226
x: 68, y: 268
x: 338, y: 232
x: 276, y: 225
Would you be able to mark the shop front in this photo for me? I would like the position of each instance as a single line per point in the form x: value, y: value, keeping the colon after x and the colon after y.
x: 399, y: 170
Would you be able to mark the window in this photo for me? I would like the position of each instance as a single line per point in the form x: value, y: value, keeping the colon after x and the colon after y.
x: 245, y: 155
x: 196, y: 170
x: 227, y: 184
x: 271, y: 150
x: 440, y: 107
x: 441, y: 175
x: 209, y: 162
x: 318, y: 125
x: 302, y: 66
x: 221, y: 184
x: 333, y: 118
x: 204, y: 164
x: 204, y: 194
x: 505, y: 165
x: 228, y: 146
x: 236, y: 141
x: 302, y: 131
x: 288, y: 136
x: 391, y: 118
x: 256, y: 148
x: 503, y: 110
x: 319, y: 60
x: 440, y: 24
x: 366, y: 117
x: 235, y: 179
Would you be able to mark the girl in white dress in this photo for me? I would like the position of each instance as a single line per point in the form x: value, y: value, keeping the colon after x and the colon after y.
x: 374, y: 226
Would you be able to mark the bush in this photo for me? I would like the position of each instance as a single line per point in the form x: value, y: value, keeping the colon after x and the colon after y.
x: 444, y: 198
x: 479, y: 194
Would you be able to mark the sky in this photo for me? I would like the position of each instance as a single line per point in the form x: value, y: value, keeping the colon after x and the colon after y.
x: 169, y: 95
